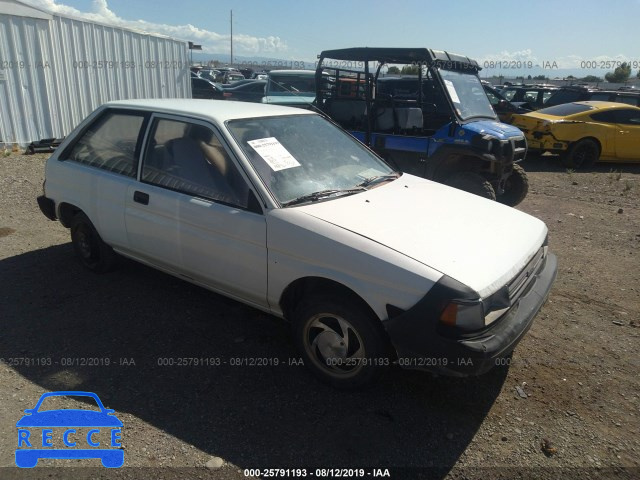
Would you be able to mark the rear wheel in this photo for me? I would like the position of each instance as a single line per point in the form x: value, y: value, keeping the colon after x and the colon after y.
x: 93, y: 253
x: 582, y: 154
x: 516, y: 187
x: 473, y: 183
x: 340, y: 342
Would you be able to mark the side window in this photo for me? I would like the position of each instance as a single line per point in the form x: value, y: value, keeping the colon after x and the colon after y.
x: 110, y: 143
x: 509, y: 94
x: 600, y: 96
x: 608, y: 116
x: 190, y: 158
x: 530, y: 96
x: 546, y: 95
x: 492, y: 98
x: 629, y: 117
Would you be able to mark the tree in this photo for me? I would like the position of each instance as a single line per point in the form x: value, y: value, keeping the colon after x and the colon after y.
x: 591, y: 79
x: 410, y: 70
x: 638, y: 75
x: 540, y: 77
x: 620, y: 74
x: 393, y: 69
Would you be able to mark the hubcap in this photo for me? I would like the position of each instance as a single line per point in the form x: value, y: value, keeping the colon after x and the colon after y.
x: 334, y: 345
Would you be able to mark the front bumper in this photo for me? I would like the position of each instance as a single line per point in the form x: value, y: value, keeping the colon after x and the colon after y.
x: 420, y: 346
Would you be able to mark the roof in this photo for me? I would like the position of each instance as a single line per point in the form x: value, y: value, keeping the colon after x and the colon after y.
x: 397, y: 55
x: 606, y: 105
x: 217, y: 110
x: 311, y: 73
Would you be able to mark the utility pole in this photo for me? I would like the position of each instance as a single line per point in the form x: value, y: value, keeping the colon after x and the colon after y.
x: 232, y: 38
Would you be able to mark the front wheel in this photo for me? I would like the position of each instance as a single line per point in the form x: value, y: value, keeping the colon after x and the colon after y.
x: 340, y: 342
x: 584, y: 153
x: 516, y: 187
x: 473, y: 183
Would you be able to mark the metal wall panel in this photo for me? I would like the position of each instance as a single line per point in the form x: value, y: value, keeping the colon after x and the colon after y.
x: 53, y: 73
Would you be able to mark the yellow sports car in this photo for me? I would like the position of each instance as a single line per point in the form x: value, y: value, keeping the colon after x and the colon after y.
x: 584, y: 132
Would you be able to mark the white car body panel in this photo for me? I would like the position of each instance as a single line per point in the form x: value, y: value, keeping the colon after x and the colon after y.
x: 303, y: 246
x: 431, y: 223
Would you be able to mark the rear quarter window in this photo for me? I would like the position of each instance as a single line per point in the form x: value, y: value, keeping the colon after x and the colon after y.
x: 110, y: 143
x: 566, y: 109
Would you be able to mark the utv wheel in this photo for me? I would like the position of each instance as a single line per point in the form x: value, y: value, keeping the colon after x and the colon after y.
x: 582, y: 154
x: 93, y: 253
x: 516, y: 187
x: 340, y: 342
x: 473, y: 183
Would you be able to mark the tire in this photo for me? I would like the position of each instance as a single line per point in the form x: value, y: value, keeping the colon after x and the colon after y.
x: 473, y: 183
x: 516, y: 187
x: 92, y: 252
x: 583, y: 153
x: 320, y: 326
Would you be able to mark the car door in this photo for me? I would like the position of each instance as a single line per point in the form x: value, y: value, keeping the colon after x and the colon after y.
x: 628, y: 134
x: 193, y: 215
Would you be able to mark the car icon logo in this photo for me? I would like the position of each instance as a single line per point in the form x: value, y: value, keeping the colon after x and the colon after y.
x: 69, y: 433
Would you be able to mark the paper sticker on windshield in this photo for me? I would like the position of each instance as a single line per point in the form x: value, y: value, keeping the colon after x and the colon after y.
x: 369, y: 172
x: 452, y: 91
x: 274, y: 153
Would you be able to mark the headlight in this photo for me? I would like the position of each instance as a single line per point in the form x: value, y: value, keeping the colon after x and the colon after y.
x: 463, y: 314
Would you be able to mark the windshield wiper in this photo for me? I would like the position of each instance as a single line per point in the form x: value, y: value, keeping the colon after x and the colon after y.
x: 315, y: 196
x: 378, y: 179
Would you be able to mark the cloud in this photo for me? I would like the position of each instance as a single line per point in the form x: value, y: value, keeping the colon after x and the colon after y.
x: 212, y: 42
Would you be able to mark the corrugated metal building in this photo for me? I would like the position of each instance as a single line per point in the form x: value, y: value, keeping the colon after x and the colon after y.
x: 55, y: 70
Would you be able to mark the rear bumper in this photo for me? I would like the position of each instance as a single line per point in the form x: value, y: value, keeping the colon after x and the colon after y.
x: 47, y: 207
x: 420, y: 346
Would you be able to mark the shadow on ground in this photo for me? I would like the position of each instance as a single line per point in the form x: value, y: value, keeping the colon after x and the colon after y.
x: 250, y: 416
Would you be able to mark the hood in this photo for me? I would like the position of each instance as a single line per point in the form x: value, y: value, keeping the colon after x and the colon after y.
x: 499, y: 130
x: 478, y: 242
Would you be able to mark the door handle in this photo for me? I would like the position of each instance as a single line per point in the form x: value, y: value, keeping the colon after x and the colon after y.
x: 623, y: 131
x: 141, y: 197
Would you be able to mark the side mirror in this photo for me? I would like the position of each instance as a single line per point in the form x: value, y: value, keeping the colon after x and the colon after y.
x: 29, y: 411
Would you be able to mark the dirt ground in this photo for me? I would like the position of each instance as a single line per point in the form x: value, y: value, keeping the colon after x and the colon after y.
x: 572, y: 384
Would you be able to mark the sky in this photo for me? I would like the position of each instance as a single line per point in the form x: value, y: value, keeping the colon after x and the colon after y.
x: 564, y: 34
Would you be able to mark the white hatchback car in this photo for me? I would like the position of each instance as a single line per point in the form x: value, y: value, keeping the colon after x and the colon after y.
x: 282, y: 210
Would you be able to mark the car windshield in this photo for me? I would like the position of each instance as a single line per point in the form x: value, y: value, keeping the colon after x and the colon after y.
x: 467, y: 94
x: 565, y: 109
x: 292, y: 84
x: 301, y: 155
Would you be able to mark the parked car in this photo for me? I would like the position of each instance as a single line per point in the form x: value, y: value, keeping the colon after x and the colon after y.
x: 280, y: 209
x: 210, y: 75
x: 202, y: 88
x: 231, y: 78
x: 291, y: 87
x: 584, y: 132
x: 531, y: 97
x: 577, y: 93
x: 247, y: 92
x: 445, y: 130
x: 503, y: 107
